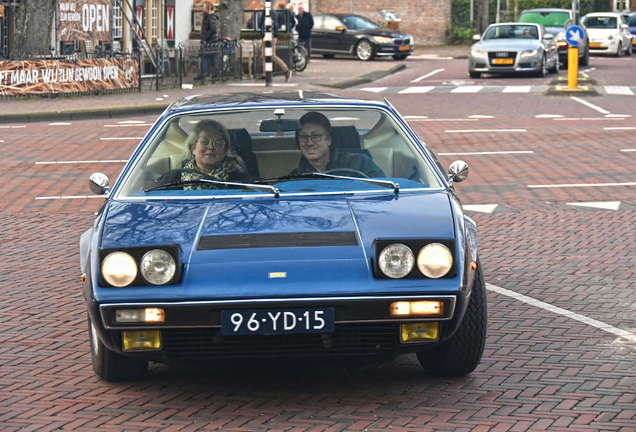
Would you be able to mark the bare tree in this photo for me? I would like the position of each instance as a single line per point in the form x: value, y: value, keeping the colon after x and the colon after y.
x: 33, y: 27
x: 231, y: 18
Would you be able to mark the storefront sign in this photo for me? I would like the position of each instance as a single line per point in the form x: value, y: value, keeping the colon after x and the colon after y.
x: 84, y: 20
x: 68, y: 76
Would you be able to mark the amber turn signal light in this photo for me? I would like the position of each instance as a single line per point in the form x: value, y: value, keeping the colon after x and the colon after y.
x: 419, y: 308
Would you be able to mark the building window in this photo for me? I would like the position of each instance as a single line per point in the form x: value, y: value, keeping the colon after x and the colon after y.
x: 153, y: 20
x: 117, y: 21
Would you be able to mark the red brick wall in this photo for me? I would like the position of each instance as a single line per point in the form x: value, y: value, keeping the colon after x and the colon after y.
x: 426, y: 20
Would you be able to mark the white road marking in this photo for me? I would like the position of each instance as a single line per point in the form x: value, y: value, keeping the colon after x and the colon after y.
x: 606, y: 205
x: 617, y: 115
x: 60, y: 124
x: 566, y: 185
x: 517, y: 89
x: 560, y: 311
x: 130, y: 121
x: 81, y: 162
x: 415, y: 117
x: 128, y: 125
x: 263, y: 84
x: 374, y: 89
x: 429, y: 57
x: 467, y: 89
x: 481, y: 208
x: 485, y: 130
x: 586, y: 103
x: 589, y: 119
x: 416, y: 90
x: 1, y: 140
x: 159, y: 99
x: 619, y: 90
x: 549, y: 116
x: 70, y: 197
x: 478, y: 116
x: 427, y: 75
x: 486, y: 153
x: 620, y: 128
x: 628, y: 150
x: 12, y: 127
x: 444, y: 120
x: 122, y: 138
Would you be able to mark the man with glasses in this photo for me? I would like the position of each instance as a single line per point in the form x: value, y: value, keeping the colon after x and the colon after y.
x: 318, y: 155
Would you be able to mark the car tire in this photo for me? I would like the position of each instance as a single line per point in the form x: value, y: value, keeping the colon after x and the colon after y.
x: 585, y: 60
x: 555, y: 69
x: 328, y: 56
x: 542, y: 72
x: 112, y: 366
x: 628, y: 52
x: 462, y: 353
x: 400, y: 56
x: 474, y: 74
x: 364, y: 50
x: 619, y: 53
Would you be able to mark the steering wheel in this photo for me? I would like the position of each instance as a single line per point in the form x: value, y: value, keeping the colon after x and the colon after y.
x: 347, y: 172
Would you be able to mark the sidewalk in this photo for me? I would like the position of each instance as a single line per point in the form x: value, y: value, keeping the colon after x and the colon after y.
x: 320, y: 75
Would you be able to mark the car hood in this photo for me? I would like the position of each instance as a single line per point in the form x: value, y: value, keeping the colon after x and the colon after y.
x: 601, y: 33
x: 273, y: 247
x: 506, y: 44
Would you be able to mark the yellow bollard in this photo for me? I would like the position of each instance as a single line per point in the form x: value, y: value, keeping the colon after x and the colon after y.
x: 573, y: 68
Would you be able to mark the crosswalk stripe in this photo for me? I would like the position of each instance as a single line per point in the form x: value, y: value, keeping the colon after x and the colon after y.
x: 416, y: 90
x: 618, y: 90
x: 517, y: 89
x: 467, y: 89
x: 374, y: 89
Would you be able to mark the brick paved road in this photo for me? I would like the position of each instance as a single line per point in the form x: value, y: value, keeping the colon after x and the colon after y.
x: 541, y: 370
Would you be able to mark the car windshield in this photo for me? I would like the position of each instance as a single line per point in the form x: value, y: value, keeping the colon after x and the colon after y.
x: 263, y: 151
x: 512, y: 32
x: 631, y: 21
x: 358, y: 23
x: 599, y: 22
x: 548, y: 19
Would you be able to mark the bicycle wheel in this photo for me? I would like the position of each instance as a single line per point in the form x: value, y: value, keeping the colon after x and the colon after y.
x: 299, y: 59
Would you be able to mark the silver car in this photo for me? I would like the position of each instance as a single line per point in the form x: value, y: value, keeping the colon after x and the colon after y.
x: 513, y: 47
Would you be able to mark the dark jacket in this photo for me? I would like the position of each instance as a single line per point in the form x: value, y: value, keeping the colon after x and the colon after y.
x: 343, y: 159
x: 274, y: 16
x: 305, y: 24
x: 209, y: 27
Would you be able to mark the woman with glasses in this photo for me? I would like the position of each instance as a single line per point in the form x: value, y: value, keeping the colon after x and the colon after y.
x: 318, y: 155
x: 209, y: 152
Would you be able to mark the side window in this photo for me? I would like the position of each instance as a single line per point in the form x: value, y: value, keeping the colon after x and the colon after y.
x: 318, y: 23
x: 331, y: 23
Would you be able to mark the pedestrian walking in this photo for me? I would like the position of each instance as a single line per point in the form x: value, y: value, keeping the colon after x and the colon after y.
x: 304, y: 26
x: 209, y: 38
x: 275, y: 58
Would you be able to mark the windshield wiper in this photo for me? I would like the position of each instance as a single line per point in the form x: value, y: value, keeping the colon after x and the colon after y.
x: 301, y: 176
x: 258, y: 187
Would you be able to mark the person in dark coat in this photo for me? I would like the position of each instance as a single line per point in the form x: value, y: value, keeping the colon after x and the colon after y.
x: 209, y: 37
x: 304, y: 26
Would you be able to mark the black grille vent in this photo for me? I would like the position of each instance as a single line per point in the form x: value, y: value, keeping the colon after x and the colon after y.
x: 347, y: 339
x: 248, y: 241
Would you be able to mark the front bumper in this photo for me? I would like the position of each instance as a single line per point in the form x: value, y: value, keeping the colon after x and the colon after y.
x: 604, y: 47
x: 192, y: 330
x: 392, y: 49
x: 519, y: 65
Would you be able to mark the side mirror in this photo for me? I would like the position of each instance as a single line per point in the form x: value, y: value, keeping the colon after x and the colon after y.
x: 624, y: 26
x: 548, y: 36
x: 458, y: 171
x: 568, y: 23
x: 99, y: 183
x: 340, y: 29
x: 476, y: 37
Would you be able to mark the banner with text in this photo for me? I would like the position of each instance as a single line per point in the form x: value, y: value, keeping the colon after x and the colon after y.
x: 68, y: 76
x: 81, y: 20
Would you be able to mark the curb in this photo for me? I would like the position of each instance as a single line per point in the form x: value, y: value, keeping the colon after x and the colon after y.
x: 365, y: 79
x: 83, y: 115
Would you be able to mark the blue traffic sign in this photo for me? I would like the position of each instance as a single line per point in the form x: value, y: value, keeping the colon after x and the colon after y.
x: 575, y: 35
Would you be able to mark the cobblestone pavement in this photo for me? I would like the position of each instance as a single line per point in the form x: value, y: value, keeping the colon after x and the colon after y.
x: 541, y: 370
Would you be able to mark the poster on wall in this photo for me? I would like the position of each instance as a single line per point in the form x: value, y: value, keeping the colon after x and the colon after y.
x: 82, y: 20
x: 39, y: 77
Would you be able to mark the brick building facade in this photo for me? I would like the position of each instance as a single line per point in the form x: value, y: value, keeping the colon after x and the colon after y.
x: 428, y: 21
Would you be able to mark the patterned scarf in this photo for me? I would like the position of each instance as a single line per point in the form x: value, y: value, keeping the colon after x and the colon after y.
x: 222, y: 171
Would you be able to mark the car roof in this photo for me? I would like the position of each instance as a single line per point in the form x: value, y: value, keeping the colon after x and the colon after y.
x: 514, y: 23
x: 601, y: 14
x: 256, y: 99
x: 546, y: 10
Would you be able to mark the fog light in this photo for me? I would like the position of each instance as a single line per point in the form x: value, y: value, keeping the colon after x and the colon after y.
x: 142, y: 340
x: 420, y: 332
x: 147, y: 315
x: 427, y: 307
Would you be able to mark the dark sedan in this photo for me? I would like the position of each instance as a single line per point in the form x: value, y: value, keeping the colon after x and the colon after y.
x: 352, y: 35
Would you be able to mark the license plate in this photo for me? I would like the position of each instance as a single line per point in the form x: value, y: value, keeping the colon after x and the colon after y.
x: 404, y: 48
x: 502, y: 61
x: 277, y: 321
x: 633, y: 41
x: 595, y: 44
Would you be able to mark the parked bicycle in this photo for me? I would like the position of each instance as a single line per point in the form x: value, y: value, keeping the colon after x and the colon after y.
x: 299, y: 57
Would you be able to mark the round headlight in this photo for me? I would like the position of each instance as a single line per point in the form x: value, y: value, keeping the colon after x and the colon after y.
x: 434, y: 260
x: 157, y: 267
x: 396, y: 261
x: 119, y: 269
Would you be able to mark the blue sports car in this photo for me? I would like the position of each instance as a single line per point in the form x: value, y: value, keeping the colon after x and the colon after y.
x: 282, y: 224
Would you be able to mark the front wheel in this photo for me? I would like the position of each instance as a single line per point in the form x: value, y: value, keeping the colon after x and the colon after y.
x: 364, y: 50
x: 300, y: 59
x: 628, y: 52
x: 112, y: 366
x: 543, y: 71
x: 556, y: 67
x: 462, y: 353
x: 619, y: 53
